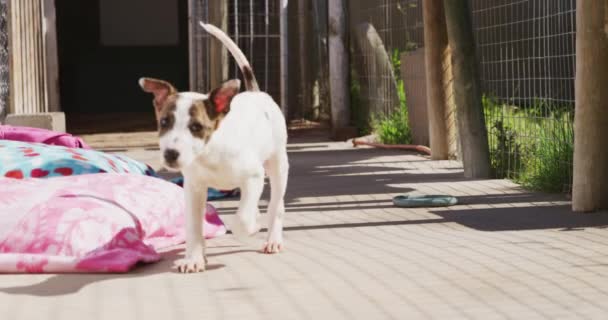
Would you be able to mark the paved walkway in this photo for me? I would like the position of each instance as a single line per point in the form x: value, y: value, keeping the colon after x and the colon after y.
x: 503, y: 253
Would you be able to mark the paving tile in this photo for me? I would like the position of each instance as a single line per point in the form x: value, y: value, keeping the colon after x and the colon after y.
x: 503, y: 253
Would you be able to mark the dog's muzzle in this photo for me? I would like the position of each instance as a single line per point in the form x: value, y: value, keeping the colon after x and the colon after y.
x: 171, y: 157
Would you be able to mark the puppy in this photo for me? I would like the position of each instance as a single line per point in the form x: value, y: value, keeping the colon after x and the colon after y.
x: 224, y: 139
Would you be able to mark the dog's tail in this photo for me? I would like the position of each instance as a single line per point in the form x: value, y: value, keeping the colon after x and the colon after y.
x: 251, y: 84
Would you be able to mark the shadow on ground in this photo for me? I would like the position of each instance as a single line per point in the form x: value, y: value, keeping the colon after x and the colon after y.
x: 377, y: 172
x: 62, y: 284
x: 339, y: 172
x: 498, y: 219
x: 524, y: 218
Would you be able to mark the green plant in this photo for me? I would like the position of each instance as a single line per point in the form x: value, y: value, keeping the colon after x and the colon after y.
x: 359, y: 114
x: 532, y: 145
x: 394, y: 128
x: 506, y: 150
x: 550, y: 168
x: 396, y: 64
x: 506, y: 153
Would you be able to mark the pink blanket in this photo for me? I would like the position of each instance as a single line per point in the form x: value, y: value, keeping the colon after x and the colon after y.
x: 91, y: 223
x: 27, y: 134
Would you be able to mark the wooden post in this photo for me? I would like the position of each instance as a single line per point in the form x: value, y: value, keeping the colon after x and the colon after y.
x: 590, y: 185
x: 218, y: 55
x: 413, y: 74
x: 377, y: 62
x: 194, y: 61
x: 338, y: 65
x: 305, y: 56
x: 4, y: 60
x: 29, y: 86
x: 320, y: 89
x: 52, y: 60
x: 436, y: 48
x: 284, y: 32
x: 467, y: 90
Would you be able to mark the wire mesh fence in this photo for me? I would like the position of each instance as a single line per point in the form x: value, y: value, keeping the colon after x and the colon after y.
x: 382, y: 32
x: 527, y: 55
x: 308, y: 61
x: 253, y: 25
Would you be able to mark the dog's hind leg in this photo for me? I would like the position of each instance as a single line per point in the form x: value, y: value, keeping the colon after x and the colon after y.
x: 278, y: 171
x: 246, y: 224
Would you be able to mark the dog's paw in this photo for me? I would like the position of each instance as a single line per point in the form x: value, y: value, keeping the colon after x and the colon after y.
x: 274, y: 242
x: 244, y: 230
x: 272, y: 247
x: 191, y: 265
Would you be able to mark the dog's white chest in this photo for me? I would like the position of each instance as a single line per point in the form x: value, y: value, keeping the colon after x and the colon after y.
x: 223, y: 171
x: 220, y: 177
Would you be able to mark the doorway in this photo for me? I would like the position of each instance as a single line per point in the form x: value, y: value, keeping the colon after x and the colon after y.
x: 104, y: 47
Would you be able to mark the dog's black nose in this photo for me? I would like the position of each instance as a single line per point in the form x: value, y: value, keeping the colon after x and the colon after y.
x: 171, y: 155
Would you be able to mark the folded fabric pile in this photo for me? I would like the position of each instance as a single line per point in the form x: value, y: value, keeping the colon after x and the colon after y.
x: 27, y: 134
x: 91, y: 223
x: 99, y: 213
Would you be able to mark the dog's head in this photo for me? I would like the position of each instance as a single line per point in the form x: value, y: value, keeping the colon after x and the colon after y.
x: 186, y: 120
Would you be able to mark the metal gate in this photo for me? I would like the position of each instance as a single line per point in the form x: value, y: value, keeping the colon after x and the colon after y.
x: 256, y: 28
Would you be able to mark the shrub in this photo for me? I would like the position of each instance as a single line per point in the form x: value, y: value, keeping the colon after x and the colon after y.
x: 532, y: 145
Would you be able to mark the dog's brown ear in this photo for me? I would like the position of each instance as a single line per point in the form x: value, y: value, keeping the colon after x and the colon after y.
x: 159, y: 88
x: 220, y: 97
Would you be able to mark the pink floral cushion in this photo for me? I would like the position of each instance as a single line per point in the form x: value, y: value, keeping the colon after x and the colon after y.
x: 91, y: 223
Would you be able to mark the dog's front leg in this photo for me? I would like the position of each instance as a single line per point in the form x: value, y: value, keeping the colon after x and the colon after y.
x: 196, y: 203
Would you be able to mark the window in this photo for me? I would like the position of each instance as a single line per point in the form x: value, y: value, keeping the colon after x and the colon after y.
x: 139, y: 22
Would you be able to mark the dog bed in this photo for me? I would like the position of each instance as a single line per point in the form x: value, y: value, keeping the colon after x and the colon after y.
x: 91, y: 223
x: 36, y: 160
x: 22, y: 160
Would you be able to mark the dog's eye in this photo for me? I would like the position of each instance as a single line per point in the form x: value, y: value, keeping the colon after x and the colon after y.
x: 164, y: 122
x: 196, y: 127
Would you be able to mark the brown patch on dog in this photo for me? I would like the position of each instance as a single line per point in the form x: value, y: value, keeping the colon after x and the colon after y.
x: 166, y: 115
x: 205, y: 116
x: 211, y: 112
x: 202, y: 123
x: 210, y: 109
x: 251, y: 84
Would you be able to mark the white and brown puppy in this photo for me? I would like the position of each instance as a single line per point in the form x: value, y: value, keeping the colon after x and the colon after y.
x: 224, y: 140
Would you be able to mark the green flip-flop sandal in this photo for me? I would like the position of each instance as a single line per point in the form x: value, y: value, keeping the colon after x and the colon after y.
x: 410, y: 201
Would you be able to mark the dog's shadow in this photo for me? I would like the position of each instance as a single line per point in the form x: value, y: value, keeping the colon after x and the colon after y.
x: 62, y: 284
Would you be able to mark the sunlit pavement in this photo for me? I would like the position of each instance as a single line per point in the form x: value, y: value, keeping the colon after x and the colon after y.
x: 350, y: 254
